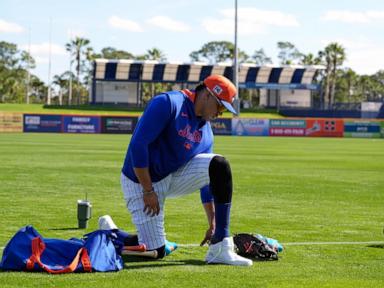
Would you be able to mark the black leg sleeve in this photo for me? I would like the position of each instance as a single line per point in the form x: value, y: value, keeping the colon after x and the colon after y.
x: 220, y: 176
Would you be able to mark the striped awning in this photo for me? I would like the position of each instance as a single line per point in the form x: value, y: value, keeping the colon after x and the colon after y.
x: 250, y: 76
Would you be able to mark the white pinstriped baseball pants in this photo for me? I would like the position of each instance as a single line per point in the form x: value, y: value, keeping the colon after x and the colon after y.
x: 187, y: 179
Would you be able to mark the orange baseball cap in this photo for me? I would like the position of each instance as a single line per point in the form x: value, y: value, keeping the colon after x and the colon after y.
x: 223, y: 89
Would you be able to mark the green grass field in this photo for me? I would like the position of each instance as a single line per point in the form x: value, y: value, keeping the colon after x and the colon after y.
x: 293, y: 189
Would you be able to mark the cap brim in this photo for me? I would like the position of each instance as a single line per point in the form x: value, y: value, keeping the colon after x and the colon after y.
x: 228, y: 106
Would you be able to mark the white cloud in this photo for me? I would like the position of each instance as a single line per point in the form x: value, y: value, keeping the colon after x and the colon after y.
x: 363, y: 55
x: 43, y: 49
x: 167, y: 23
x: 250, y: 21
x: 124, y: 24
x: 376, y: 15
x: 353, y: 17
x: 9, y: 27
x: 226, y: 26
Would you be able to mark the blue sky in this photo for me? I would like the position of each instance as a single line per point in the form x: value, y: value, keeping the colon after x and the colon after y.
x: 178, y: 27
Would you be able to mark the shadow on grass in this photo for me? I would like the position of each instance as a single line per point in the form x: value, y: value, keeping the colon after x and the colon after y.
x: 138, y: 263
x: 65, y: 229
x: 376, y: 246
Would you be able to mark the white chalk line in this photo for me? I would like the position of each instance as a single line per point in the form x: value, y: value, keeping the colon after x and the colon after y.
x: 311, y: 243
x: 301, y: 243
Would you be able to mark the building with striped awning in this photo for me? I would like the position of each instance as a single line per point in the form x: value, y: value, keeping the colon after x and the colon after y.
x: 119, y: 81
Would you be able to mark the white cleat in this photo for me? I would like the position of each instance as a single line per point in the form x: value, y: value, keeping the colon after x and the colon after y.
x: 223, y: 253
x: 106, y: 223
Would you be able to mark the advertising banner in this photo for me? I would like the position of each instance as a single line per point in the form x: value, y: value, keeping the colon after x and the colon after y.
x: 81, y: 124
x: 382, y: 129
x: 42, y: 123
x: 11, y: 122
x: 118, y: 125
x: 362, y: 129
x: 222, y: 126
x: 324, y: 128
x: 250, y: 127
x: 287, y: 127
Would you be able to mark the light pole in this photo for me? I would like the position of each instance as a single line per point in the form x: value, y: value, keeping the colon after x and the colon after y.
x: 70, y: 70
x: 29, y: 66
x: 236, y: 67
x: 49, y: 63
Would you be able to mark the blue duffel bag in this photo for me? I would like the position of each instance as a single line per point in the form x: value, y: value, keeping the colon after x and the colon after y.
x: 29, y: 251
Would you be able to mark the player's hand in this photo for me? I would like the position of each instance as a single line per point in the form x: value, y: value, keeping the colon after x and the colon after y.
x: 208, y: 236
x: 151, y: 204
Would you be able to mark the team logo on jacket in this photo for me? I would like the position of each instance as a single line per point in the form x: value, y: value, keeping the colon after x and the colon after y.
x: 194, y: 136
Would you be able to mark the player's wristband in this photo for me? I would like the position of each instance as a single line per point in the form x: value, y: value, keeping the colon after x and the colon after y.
x: 145, y: 192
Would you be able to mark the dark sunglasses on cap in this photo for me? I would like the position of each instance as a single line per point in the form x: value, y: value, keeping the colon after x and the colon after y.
x: 220, y: 107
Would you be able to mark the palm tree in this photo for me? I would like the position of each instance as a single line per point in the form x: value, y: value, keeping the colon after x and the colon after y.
x: 310, y: 59
x: 378, y: 79
x: 113, y: 53
x: 324, y: 60
x: 334, y: 56
x: 260, y: 58
x: 78, y: 48
x: 63, y: 83
x: 288, y: 53
x: 351, y: 78
x: 155, y: 54
x: 365, y: 84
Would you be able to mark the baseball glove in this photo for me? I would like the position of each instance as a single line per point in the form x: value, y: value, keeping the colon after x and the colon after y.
x: 253, y: 246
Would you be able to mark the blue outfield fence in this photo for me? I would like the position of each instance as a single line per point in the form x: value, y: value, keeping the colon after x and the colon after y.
x: 118, y: 124
x: 42, y: 123
x: 81, y: 124
x: 250, y: 127
x: 303, y: 127
x: 363, y: 129
x: 222, y: 126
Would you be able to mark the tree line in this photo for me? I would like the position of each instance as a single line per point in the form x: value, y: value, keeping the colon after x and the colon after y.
x: 18, y: 85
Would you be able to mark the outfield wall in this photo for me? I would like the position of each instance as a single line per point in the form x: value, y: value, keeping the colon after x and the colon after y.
x: 11, y: 122
x: 304, y: 127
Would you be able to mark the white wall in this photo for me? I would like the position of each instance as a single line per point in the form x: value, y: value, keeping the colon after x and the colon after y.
x: 116, y: 92
x: 288, y: 98
x: 263, y: 98
x: 295, y: 98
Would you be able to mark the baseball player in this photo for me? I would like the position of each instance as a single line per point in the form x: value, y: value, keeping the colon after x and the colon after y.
x: 170, y: 155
